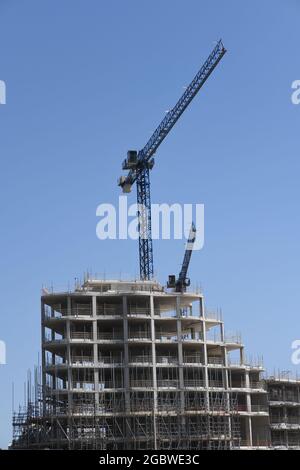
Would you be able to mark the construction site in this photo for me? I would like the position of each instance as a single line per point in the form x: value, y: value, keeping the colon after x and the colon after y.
x: 140, y: 365
x: 126, y: 365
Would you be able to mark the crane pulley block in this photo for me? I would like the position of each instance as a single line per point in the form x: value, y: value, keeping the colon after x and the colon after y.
x: 126, y: 187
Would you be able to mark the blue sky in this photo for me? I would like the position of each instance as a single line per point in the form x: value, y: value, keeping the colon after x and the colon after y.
x: 86, y: 81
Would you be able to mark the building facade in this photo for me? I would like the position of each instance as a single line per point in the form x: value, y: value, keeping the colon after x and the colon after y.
x: 284, y: 409
x: 129, y: 365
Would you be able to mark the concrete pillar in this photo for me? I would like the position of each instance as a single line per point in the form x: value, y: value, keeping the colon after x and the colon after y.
x: 285, y: 419
x: 205, y: 366
x: 43, y: 355
x: 180, y: 354
x: 53, y: 354
x: 53, y: 376
x: 180, y: 367
x: 69, y: 361
x: 154, y: 375
x: 126, y: 356
x: 249, y: 431
x: 242, y: 356
x: 70, y: 379
x: 222, y: 332
x: 226, y: 379
x: 95, y: 352
x: 201, y: 307
x: 249, y: 436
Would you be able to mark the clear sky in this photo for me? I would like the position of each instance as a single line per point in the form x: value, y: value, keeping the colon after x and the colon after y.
x: 88, y: 80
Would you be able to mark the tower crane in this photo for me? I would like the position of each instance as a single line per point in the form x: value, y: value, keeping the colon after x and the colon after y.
x: 183, y: 281
x: 139, y: 163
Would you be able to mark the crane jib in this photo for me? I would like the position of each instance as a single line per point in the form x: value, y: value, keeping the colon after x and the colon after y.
x: 174, y: 114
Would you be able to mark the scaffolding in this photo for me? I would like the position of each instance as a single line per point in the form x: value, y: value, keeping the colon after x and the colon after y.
x: 46, y: 423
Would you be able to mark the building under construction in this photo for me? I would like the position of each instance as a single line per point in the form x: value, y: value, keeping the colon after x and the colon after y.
x: 130, y: 365
x: 284, y: 408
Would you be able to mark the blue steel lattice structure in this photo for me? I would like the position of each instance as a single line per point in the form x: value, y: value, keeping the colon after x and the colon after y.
x: 140, y: 163
x: 183, y: 281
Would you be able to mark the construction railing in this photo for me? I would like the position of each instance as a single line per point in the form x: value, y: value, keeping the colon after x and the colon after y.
x: 143, y: 359
x: 109, y: 310
x: 76, y: 311
x: 110, y: 360
x: 110, y: 335
x: 193, y: 359
x: 196, y: 336
x: 215, y: 360
x: 233, y: 338
x: 82, y: 360
x: 167, y: 360
x: 215, y: 383
x: 213, y: 315
x: 86, y: 386
x: 139, y: 335
x: 144, y: 383
x: 241, y: 407
x: 138, y: 311
x: 167, y: 383
x: 110, y: 384
x: 194, y: 383
x: 82, y: 335
x: 165, y: 336
x: 260, y: 408
x: 259, y: 384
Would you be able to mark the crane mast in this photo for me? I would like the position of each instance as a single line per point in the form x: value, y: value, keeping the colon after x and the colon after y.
x: 140, y: 163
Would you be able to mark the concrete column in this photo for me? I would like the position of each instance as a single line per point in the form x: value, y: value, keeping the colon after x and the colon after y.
x: 242, y: 356
x: 247, y: 386
x: 205, y: 366
x: 70, y: 379
x: 68, y: 358
x: 222, y: 332
x: 126, y: 356
x: 249, y: 431
x: 126, y: 384
x: 226, y: 378
x: 154, y: 376
x: 180, y: 366
x: 43, y: 355
x: 225, y: 356
x: 95, y: 351
x: 248, y: 403
x: 180, y: 355
x: 53, y: 354
x: 201, y: 307
x: 285, y: 418
x: 53, y: 376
